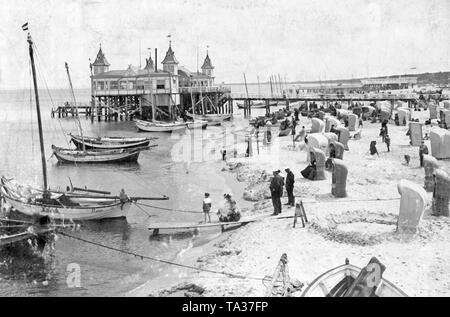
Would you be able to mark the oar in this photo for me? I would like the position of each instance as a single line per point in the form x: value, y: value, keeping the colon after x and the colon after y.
x: 117, y: 197
x: 150, y: 198
x: 91, y: 191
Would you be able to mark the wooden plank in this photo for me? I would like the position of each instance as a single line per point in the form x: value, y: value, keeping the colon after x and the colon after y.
x: 190, y: 225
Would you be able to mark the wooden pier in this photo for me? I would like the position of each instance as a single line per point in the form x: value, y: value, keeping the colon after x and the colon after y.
x: 326, y: 98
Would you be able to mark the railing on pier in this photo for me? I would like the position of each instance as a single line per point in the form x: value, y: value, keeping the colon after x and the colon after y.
x: 205, y: 89
x: 141, y: 91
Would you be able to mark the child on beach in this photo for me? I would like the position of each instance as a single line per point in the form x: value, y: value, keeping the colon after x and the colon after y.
x: 207, y: 207
x: 387, y: 140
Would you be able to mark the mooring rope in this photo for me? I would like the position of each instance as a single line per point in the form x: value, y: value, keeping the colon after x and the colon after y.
x: 142, y: 209
x: 231, y: 275
x: 171, y: 209
x: 304, y: 202
x: 349, y: 200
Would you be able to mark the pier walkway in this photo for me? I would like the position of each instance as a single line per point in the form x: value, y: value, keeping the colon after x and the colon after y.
x: 323, y: 97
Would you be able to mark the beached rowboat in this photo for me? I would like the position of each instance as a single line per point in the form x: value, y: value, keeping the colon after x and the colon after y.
x: 197, y: 124
x: 212, y: 119
x: 337, y: 281
x: 159, y: 126
x: 97, y: 156
x: 108, y: 143
x: 258, y: 105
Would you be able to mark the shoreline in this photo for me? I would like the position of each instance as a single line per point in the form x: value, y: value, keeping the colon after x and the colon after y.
x: 338, y: 228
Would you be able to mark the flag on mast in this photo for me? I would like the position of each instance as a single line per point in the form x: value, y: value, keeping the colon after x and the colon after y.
x: 25, y: 27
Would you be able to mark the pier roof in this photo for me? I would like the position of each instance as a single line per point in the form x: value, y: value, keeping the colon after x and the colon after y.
x: 183, y: 71
x: 101, y: 60
x: 170, y: 57
x: 207, y: 63
x: 149, y: 65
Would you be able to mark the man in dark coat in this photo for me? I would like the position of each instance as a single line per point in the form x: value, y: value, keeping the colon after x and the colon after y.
x: 290, y: 180
x: 423, y: 149
x: 276, y: 191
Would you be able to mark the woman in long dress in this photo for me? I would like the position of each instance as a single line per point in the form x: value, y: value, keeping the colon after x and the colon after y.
x: 230, y: 211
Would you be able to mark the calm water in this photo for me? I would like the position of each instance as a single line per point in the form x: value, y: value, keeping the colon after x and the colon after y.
x: 159, y: 171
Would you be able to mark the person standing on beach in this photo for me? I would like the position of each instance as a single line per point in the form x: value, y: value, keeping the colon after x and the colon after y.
x: 269, y: 131
x: 276, y: 191
x: 294, y: 124
x: 373, y: 148
x: 423, y: 149
x: 387, y: 140
x: 207, y: 203
x: 290, y: 180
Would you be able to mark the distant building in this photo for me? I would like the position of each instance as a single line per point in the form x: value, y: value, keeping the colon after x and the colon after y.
x: 354, y: 85
x: 389, y: 83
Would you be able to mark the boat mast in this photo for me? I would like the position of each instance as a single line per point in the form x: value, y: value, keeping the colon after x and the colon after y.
x: 151, y: 84
x: 76, y: 105
x: 38, y: 111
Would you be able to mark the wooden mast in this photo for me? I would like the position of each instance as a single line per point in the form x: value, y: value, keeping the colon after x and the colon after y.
x: 76, y: 105
x: 152, y: 104
x: 38, y: 111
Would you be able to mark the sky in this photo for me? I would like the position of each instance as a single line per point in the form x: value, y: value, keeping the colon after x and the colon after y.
x: 300, y: 40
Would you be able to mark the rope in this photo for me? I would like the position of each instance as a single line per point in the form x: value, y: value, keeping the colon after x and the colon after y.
x: 148, y: 215
x: 170, y: 209
x: 231, y: 275
x: 305, y: 202
x: 42, y: 75
x: 349, y: 200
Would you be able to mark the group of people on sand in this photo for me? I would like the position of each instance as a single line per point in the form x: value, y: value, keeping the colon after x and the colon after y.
x: 423, y: 149
x: 276, y: 189
x: 228, y: 213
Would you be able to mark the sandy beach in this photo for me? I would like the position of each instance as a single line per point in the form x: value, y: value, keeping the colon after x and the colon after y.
x: 357, y: 227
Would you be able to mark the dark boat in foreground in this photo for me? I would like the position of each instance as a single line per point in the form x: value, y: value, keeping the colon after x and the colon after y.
x: 350, y: 281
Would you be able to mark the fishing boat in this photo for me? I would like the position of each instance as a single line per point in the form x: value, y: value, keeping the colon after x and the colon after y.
x: 350, y: 281
x: 257, y: 105
x: 15, y: 231
x: 160, y: 126
x: 98, y: 156
x: 61, y: 205
x: 197, y: 124
x: 108, y: 142
x: 116, y: 149
x: 212, y: 119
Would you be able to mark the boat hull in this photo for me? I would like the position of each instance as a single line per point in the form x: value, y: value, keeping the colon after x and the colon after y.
x: 76, y: 156
x: 328, y: 282
x: 212, y: 118
x: 285, y: 132
x: 197, y: 125
x: 147, y: 126
x: 86, y: 208
x: 117, y: 210
x: 257, y: 105
x: 108, y: 143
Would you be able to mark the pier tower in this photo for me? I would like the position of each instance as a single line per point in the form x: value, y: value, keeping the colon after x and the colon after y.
x: 207, y: 67
x: 100, y: 64
x: 170, y: 63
